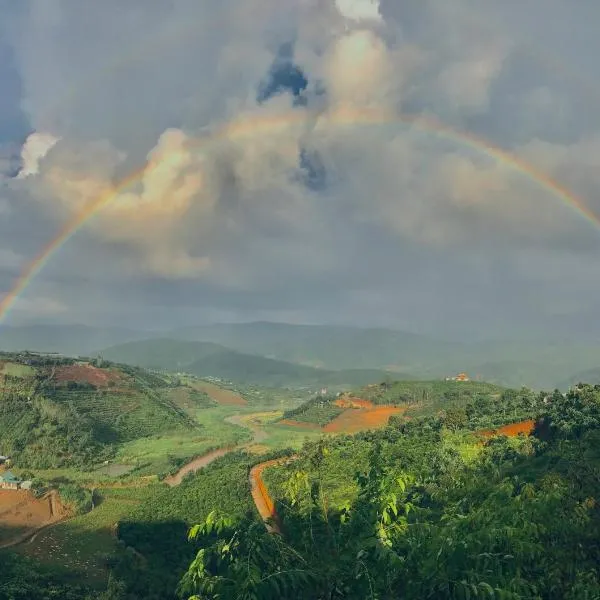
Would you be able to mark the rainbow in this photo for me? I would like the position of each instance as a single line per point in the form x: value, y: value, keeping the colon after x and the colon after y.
x: 260, y: 125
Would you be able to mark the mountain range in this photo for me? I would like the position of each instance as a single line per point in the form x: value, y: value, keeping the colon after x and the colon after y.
x: 293, y: 350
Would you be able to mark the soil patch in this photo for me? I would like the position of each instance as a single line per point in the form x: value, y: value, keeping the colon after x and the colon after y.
x: 220, y: 395
x: 353, y: 420
x: 512, y: 429
x: 86, y: 373
x: 22, y: 514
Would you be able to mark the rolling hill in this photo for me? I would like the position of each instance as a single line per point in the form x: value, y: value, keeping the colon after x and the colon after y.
x: 538, y: 363
x: 210, y: 359
x: 60, y: 412
x: 543, y: 362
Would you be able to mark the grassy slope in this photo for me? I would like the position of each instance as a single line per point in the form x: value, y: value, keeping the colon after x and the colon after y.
x: 51, y: 417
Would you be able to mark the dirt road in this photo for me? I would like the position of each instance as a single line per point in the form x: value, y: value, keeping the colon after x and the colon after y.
x: 258, y: 435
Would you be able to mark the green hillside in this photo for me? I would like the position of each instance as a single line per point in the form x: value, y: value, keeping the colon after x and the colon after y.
x: 542, y: 362
x: 60, y: 412
x: 424, y: 509
x: 205, y: 359
x: 426, y: 392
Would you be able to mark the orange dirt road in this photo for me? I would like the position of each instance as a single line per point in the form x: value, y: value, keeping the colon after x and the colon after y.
x: 262, y: 499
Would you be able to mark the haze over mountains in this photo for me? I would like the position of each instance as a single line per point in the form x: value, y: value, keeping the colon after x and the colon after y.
x: 284, y: 354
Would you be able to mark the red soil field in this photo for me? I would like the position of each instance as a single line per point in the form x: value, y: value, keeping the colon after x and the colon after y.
x: 86, y: 373
x: 220, y: 395
x: 352, y: 420
x: 21, y: 513
x: 511, y: 430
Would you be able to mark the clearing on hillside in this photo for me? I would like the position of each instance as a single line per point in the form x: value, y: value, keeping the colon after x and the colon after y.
x: 86, y: 373
x: 512, y: 429
x: 21, y: 514
x: 359, y: 419
x: 221, y: 395
x: 14, y: 369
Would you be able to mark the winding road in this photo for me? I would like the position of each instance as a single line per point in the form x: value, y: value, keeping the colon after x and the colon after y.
x: 262, y: 500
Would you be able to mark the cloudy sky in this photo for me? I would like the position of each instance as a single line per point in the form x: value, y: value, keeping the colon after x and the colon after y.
x: 303, y: 161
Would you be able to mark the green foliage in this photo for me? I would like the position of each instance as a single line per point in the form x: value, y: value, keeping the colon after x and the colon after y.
x: 320, y: 410
x: 24, y: 579
x: 158, y: 527
x: 77, y: 498
x: 519, y: 520
x: 431, y: 395
x: 45, y: 424
x: 39, y: 433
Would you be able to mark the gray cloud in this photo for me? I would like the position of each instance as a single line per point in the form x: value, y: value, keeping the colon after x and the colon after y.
x: 399, y: 225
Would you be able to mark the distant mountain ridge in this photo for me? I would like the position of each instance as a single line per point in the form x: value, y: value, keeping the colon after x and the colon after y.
x: 70, y: 340
x: 535, y: 363
x: 209, y: 359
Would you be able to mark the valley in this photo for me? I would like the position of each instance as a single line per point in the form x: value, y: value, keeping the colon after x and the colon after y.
x: 155, y: 453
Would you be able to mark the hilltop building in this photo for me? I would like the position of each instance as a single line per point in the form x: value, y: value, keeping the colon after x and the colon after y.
x: 459, y: 377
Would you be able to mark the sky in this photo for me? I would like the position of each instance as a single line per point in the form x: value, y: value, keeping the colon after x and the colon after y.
x: 293, y: 164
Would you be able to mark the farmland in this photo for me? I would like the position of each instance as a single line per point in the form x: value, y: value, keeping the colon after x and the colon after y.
x: 160, y: 478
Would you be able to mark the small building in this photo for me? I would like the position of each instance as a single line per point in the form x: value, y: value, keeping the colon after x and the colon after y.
x: 26, y: 485
x: 459, y: 377
x: 9, y: 482
x: 3, y: 459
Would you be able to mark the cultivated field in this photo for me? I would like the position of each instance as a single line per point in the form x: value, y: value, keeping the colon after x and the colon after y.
x: 221, y: 395
x: 86, y: 373
x: 359, y: 419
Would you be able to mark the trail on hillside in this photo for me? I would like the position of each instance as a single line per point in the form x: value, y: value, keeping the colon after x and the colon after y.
x: 262, y: 499
x: 258, y: 436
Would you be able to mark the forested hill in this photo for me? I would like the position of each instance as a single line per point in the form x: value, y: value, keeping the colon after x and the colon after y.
x: 209, y: 359
x: 57, y: 411
x: 426, y: 508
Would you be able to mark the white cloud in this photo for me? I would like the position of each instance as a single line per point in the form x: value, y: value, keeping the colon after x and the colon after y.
x: 359, y: 10
x: 141, y: 92
x: 36, y: 147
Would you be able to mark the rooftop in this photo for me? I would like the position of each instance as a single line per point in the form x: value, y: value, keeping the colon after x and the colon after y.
x: 8, y: 477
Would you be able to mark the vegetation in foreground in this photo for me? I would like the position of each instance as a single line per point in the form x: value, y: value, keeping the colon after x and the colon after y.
x: 404, y: 513
x: 425, y: 507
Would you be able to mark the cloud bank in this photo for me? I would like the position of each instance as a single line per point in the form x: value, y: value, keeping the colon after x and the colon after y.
x: 254, y: 150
